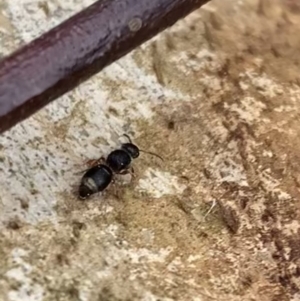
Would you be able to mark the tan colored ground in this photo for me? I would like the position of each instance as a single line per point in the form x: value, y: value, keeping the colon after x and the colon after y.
x: 224, y: 86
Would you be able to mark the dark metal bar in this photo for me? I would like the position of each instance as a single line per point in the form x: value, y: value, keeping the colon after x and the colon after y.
x: 78, y: 48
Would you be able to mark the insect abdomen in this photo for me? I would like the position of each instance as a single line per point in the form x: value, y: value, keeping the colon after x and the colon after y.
x: 95, y: 180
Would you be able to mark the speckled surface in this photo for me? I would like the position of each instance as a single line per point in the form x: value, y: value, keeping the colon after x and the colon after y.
x: 217, y: 95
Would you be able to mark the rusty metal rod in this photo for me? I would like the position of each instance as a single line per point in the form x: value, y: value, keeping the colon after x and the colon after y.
x: 70, y: 53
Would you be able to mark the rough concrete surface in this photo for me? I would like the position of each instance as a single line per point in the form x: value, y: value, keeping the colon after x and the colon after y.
x: 218, y: 96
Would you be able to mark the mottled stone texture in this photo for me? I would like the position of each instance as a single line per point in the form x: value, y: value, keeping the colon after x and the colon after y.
x: 217, y: 96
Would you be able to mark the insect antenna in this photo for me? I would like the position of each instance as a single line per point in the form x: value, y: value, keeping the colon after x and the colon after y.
x: 143, y: 151
x: 153, y: 154
x: 129, y: 139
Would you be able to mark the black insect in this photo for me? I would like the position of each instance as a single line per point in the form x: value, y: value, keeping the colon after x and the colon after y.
x: 96, y: 179
x: 101, y: 173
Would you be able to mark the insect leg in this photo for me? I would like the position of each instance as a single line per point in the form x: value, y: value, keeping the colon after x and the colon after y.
x: 127, y: 171
x: 94, y: 162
